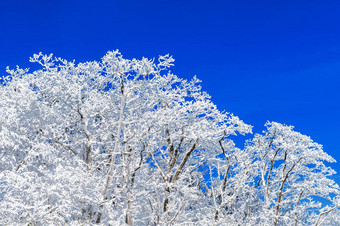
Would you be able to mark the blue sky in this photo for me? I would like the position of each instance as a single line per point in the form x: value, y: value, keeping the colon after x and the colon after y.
x: 261, y: 60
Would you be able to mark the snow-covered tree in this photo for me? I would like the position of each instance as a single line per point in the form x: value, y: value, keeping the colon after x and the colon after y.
x: 108, y: 142
x: 127, y: 142
x: 293, y: 178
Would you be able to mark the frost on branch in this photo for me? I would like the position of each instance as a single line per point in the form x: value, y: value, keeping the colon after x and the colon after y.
x: 125, y: 141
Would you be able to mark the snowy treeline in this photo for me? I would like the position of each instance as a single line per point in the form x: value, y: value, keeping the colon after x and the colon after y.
x: 127, y: 142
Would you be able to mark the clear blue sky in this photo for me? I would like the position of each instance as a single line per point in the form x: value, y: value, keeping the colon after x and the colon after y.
x: 261, y: 60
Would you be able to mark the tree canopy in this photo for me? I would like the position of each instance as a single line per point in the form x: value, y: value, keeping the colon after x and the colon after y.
x: 127, y: 142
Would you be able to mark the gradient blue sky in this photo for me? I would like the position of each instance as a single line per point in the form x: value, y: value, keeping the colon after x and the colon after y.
x: 261, y: 60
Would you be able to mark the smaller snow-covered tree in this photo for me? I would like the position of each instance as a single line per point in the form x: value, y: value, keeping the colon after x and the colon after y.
x: 292, y: 172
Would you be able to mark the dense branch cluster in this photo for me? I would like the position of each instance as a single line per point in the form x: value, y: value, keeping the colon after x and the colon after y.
x: 127, y: 142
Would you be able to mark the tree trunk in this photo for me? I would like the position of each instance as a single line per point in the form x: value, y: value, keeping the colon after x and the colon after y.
x: 117, y: 146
